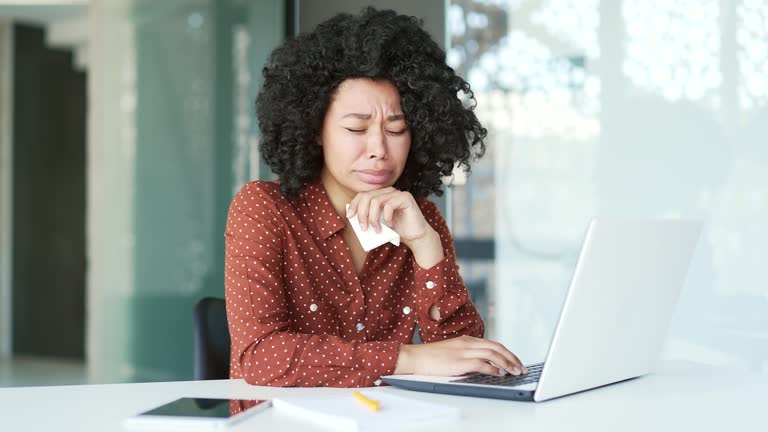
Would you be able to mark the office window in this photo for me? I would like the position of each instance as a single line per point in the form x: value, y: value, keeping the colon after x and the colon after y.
x: 633, y: 108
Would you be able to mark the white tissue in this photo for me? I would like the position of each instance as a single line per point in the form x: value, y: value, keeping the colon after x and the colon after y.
x: 370, y: 239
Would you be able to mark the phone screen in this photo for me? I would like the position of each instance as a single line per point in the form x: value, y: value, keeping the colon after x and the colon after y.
x: 207, y: 408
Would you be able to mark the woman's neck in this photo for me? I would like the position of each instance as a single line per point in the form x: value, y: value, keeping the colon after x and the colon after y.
x: 337, y: 194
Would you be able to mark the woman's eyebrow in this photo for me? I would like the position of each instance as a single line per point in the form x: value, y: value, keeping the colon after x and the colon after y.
x: 393, y: 117
x: 358, y: 116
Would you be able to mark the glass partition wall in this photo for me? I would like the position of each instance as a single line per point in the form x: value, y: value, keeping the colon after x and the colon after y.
x: 627, y: 107
x: 172, y: 137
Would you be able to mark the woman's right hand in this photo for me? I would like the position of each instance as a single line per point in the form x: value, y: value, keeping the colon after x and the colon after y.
x: 458, y: 356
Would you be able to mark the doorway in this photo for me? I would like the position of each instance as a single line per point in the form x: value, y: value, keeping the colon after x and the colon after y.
x: 49, y: 190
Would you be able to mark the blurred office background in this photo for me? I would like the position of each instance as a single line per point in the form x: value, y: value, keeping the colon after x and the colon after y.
x: 126, y: 126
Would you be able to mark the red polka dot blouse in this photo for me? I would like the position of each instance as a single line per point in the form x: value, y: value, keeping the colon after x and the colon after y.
x: 299, y: 315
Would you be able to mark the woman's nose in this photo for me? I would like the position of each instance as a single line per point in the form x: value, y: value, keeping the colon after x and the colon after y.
x: 377, y: 146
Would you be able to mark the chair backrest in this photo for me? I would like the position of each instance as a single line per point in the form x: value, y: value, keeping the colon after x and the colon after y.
x: 211, y: 339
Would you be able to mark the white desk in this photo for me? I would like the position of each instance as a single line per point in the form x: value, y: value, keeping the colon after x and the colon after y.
x: 678, y: 398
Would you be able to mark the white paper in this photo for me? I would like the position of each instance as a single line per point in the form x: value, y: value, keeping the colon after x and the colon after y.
x: 342, y: 412
x: 370, y: 239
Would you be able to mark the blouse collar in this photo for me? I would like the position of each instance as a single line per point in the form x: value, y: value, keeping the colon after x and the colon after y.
x: 327, y: 221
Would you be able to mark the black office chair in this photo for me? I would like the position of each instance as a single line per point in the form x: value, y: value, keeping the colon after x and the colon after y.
x: 211, y: 339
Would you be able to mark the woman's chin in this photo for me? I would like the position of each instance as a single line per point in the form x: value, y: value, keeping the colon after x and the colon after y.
x: 361, y: 186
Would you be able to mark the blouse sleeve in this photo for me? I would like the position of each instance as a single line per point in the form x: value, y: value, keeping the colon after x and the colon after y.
x: 442, y: 286
x: 264, y: 349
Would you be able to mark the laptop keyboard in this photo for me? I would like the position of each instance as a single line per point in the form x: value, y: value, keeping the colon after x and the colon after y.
x: 534, y: 372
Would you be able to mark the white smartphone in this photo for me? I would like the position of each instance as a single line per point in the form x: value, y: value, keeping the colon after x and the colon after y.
x: 196, y: 414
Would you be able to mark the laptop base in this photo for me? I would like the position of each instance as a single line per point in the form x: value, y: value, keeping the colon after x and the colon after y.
x: 463, y: 390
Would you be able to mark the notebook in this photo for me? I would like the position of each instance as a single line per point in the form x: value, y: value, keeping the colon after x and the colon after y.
x: 342, y: 412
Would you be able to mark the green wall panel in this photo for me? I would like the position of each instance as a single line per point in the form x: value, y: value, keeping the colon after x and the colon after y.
x: 186, y: 163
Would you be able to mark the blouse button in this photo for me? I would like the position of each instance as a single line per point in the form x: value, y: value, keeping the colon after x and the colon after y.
x: 313, y: 307
x: 377, y: 382
x: 430, y: 284
x: 359, y: 326
x: 406, y: 310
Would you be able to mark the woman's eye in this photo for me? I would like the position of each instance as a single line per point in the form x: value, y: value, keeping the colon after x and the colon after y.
x: 400, y: 132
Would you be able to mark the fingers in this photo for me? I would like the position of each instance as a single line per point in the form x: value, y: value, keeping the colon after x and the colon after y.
x: 360, y: 205
x: 373, y: 214
x: 489, y: 355
x: 479, y: 366
x: 370, y: 206
x: 508, y: 359
x: 364, y: 210
x: 388, y: 213
x: 383, y: 208
x: 463, y: 355
x: 507, y: 354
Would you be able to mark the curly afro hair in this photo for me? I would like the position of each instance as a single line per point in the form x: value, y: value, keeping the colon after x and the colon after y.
x: 302, y: 76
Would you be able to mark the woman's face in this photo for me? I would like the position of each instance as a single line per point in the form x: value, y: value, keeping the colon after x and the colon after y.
x: 365, y: 138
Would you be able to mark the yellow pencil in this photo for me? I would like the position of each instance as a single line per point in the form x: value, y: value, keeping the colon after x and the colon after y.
x: 370, y: 403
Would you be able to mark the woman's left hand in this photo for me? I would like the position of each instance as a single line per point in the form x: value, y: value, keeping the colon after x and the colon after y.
x: 399, y: 210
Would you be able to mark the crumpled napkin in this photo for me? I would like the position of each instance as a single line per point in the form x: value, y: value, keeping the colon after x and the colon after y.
x: 370, y: 239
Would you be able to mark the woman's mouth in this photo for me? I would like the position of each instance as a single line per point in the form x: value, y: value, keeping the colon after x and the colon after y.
x: 376, y: 177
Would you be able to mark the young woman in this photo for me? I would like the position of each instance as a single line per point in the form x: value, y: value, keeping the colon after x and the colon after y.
x: 363, y: 111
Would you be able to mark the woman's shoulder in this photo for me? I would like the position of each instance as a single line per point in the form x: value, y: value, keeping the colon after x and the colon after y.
x: 263, y: 188
x: 259, y: 193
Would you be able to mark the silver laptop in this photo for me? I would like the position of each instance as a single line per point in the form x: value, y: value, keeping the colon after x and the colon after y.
x: 613, y: 322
